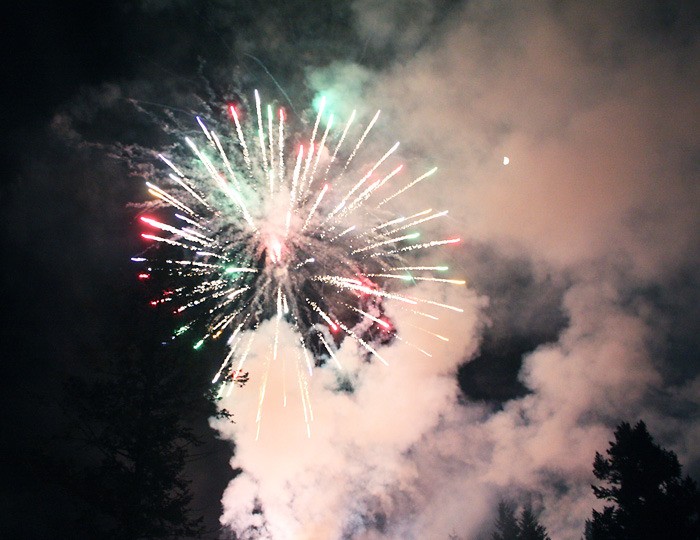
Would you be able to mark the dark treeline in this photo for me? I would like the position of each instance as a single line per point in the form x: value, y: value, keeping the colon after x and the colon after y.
x: 646, y: 497
x: 126, y: 434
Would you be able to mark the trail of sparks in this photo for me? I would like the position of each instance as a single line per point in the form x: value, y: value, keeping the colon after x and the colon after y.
x: 315, y: 207
x: 439, y: 336
x: 261, y: 131
x: 409, y: 186
x: 406, y: 277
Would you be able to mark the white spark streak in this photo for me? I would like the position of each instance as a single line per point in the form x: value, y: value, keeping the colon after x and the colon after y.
x: 409, y: 186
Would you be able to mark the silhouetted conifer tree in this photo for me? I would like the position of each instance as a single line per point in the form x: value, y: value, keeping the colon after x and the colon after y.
x: 650, y: 498
x: 506, y: 526
x: 509, y: 527
x: 133, y: 446
x: 529, y: 528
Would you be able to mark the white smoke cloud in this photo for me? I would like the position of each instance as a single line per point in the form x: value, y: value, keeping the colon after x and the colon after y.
x: 599, y: 121
x: 358, y: 454
x: 601, y: 152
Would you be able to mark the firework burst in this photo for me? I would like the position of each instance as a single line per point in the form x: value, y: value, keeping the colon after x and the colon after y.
x: 260, y: 228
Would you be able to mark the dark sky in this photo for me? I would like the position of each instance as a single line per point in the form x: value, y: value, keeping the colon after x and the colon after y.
x: 586, y: 246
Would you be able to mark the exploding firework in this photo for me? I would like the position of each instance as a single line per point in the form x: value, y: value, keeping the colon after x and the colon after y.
x: 260, y: 228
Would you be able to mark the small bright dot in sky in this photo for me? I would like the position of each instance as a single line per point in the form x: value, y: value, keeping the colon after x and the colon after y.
x: 506, y: 160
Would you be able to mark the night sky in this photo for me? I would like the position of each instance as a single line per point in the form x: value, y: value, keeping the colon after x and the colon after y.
x: 582, y: 255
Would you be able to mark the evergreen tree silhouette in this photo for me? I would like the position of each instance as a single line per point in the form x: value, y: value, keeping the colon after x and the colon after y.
x: 643, y: 481
x: 133, y: 445
x: 529, y: 528
x: 506, y: 526
x: 509, y: 527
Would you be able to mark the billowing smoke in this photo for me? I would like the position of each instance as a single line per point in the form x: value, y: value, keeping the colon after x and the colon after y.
x: 596, y: 110
x: 356, y: 468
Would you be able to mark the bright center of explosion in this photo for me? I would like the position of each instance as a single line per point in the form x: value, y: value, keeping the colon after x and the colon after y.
x: 274, y: 248
x: 273, y: 228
